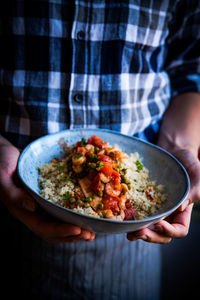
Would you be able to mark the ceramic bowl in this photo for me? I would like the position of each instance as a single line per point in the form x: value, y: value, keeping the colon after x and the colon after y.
x: 163, y: 167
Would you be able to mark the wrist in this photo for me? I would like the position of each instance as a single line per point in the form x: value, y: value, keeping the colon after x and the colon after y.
x: 175, y: 141
x: 181, y: 123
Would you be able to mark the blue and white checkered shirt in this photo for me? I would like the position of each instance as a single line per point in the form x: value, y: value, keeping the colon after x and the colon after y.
x: 109, y: 64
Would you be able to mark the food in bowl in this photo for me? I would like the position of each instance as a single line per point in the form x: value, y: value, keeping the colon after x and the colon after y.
x: 97, y: 179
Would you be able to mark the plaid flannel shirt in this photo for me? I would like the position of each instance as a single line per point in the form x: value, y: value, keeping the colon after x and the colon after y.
x: 110, y: 64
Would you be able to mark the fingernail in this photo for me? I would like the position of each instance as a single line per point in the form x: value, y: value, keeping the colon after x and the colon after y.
x: 76, y: 231
x: 85, y: 235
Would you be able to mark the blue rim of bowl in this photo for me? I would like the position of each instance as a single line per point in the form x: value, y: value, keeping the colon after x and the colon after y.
x: 151, y: 218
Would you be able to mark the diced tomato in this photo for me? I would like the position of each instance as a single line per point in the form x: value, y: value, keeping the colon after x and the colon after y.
x: 111, y: 203
x: 96, y: 141
x: 81, y: 150
x: 107, y: 169
x: 130, y: 214
x: 116, y: 177
x: 104, y: 158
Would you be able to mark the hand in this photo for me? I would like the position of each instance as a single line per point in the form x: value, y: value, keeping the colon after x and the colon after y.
x: 24, y: 207
x: 177, y: 224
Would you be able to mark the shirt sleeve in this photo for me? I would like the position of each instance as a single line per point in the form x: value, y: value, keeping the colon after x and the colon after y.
x: 183, y: 50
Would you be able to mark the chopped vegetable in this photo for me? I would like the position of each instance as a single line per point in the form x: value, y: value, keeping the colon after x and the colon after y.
x: 83, y: 142
x: 66, y: 196
x: 60, y: 167
x: 139, y: 165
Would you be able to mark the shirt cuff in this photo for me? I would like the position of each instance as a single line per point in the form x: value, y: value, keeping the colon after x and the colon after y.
x: 184, y: 83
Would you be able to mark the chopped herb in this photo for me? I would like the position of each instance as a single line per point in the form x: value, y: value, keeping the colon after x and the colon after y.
x: 41, y: 183
x: 67, y: 179
x: 129, y: 185
x: 79, y: 155
x: 94, y: 157
x: 124, y: 170
x: 96, y: 149
x: 139, y: 165
x: 83, y: 142
x: 135, y: 180
x: 140, y: 191
x: 100, y: 164
x: 115, y: 214
x: 117, y: 168
x: 59, y: 168
x: 70, y: 179
x: 67, y: 196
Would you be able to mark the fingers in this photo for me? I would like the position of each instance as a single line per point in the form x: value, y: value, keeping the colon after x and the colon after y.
x: 180, y: 225
x: 164, y: 231
x: 23, y: 207
x: 150, y: 236
x: 86, y: 235
x: 51, y: 231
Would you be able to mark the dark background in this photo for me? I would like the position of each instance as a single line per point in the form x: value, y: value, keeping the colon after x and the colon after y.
x: 181, y: 263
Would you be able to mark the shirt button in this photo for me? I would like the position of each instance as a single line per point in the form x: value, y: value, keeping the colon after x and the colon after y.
x: 78, y: 98
x: 81, y: 35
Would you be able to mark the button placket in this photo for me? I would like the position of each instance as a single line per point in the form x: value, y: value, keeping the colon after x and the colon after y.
x: 78, y: 98
x: 81, y: 35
